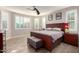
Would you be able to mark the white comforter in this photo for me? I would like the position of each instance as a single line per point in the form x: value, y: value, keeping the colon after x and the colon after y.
x: 55, y: 34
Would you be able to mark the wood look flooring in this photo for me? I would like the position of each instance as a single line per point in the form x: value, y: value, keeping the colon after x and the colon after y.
x: 19, y: 45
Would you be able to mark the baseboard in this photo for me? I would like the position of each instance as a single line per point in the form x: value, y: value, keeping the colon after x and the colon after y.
x: 18, y: 36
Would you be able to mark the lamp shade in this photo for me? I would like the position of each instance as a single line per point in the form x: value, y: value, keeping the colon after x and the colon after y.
x: 66, y: 25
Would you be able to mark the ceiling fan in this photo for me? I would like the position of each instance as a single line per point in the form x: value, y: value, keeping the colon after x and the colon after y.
x: 34, y: 9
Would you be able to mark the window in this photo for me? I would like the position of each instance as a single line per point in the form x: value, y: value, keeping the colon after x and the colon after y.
x: 72, y: 20
x: 4, y: 20
x: 22, y: 22
x: 36, y: 23
x: 43, y: 25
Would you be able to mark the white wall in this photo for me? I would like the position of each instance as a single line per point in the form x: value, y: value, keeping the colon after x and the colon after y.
x: 17, y: 32
x: 0, y: 20
x: 63, y: 15
x: 78, y: 25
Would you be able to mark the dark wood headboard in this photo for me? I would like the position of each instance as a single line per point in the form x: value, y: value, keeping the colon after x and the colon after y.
x: 56, y: 25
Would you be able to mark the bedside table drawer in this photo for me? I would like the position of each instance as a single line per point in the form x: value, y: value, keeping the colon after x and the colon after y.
x: 71, y: 39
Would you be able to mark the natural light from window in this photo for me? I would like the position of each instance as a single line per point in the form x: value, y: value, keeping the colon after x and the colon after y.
x: 22, y: 22
x: 72, y: 19
x: 4, y: 20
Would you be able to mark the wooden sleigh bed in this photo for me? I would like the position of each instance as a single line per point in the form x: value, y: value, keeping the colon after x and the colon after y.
x: 47, y: 40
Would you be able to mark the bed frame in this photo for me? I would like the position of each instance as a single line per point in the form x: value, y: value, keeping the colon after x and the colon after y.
x: 47, y: 40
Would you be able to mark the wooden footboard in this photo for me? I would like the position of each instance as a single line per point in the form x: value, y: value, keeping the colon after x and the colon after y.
x: 47, y: 40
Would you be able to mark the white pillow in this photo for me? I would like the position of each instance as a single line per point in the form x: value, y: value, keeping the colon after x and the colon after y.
x: 57, y: 29
x: 49, y: 29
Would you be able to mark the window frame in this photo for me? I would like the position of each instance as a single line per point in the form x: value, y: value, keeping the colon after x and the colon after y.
x: 23, y: 21
x: 43, y: 22
x: 8, y: 19
x: 38, y: 23
x: 75, y: 21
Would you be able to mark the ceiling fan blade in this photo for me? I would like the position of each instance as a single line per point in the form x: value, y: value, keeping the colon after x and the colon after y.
x: 37, y: 11
x: 34, y: 9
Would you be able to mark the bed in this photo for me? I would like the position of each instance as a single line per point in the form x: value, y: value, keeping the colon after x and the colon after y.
x: 50, y: 38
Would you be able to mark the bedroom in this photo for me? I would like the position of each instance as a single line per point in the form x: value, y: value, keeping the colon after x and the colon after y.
x: 20, y: 21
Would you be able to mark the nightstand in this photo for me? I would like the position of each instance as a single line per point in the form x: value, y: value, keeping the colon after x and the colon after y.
x: 71, y: 38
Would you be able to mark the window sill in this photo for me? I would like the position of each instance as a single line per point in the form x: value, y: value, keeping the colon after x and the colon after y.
x: 22, y: 28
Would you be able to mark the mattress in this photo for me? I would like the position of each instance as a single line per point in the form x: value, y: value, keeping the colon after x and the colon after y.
x: 54, y: 34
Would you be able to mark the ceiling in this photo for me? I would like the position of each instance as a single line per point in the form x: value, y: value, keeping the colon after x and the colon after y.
x: 44, y: 10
